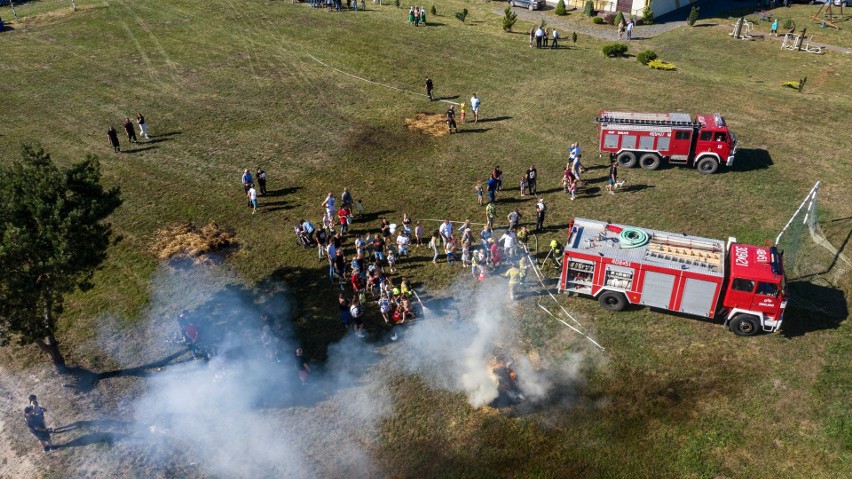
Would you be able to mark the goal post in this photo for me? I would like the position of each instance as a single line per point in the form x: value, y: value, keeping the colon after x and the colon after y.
x: 808, y: 255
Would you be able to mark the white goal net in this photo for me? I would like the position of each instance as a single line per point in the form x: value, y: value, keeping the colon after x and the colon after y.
x: 808, y: 256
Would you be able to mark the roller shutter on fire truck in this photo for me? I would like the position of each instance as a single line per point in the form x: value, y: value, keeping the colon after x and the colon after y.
x: 657, y: 289
x: 699, y: 297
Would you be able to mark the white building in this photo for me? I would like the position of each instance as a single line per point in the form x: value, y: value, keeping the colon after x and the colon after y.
x: 635, y: 7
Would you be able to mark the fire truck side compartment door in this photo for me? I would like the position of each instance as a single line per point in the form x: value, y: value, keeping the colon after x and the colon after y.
x: 698, y: 297
x: 657, y: 289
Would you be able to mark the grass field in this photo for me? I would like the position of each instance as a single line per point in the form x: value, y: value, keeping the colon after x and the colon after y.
x: 232, y: 85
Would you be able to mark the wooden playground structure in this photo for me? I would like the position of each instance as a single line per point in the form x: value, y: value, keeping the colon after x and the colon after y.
x: 829, y: 14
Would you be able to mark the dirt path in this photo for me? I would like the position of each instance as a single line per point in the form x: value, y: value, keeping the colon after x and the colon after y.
x: 16, y: 455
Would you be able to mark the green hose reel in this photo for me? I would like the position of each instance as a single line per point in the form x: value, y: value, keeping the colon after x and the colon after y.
x: 633, y: 238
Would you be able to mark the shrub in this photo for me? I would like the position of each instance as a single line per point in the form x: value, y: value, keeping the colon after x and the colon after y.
x: 619, y: 17
x: 396, y: 2
x: 574, y: 38
x: 661, y: 65
x: 462, y: 15
x: 542, y: 24
x: 648, y: 13
x: 693, y: 16
x: 509, y: 19
x: 789, y: 24
x: 598, y: 21
x: 589, y: 9
x: 646, y: 57
x: 560, y: 9
x: 434, y: 10
x: 615, y: 49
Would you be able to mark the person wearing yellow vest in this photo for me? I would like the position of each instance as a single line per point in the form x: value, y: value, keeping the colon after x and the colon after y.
x: 514, y: 275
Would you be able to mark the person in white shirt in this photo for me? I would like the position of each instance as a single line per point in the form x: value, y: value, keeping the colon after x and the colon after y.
x: 508, y: 240
x: 474, y: 106
x: 252, y: 195
x: 402, y: 242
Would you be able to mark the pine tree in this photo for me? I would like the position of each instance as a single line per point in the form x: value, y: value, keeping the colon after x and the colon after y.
x: 693, y: 16
x: 509, y: 19
x: 52, y: 239
x: 560, y: 9
x: 648, y: 13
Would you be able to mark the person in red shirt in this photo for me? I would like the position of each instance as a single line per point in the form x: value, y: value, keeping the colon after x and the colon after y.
x: 496, y: 256
x: 343, y: 217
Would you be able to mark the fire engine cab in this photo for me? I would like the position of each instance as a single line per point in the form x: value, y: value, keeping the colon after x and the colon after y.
x: 742, y: 284
x: 646, y: 139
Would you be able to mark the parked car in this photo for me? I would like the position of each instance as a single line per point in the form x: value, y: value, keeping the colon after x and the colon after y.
x: 531, y: 4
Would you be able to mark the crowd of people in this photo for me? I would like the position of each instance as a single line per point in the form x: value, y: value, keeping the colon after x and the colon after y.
x: 337, y: 5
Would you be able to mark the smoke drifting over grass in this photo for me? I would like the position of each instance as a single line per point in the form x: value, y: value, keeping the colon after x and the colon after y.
x: 244, y: 414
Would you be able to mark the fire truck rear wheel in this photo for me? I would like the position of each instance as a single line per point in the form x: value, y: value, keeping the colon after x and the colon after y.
x: 649, y: 161
x: 745, y: 325
x: 627, y: 159
x: 707, y: 165
x: 612, y: 301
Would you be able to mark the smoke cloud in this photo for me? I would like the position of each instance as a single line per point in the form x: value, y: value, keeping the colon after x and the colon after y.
x: 244, y: 413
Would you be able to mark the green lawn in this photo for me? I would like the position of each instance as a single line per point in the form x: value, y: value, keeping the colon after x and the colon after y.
x: 231, y: 85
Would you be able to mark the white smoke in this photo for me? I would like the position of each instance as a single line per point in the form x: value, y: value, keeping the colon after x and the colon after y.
x: 243, y: 415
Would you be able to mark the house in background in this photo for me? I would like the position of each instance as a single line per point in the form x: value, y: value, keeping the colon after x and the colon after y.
x: 635, y: 7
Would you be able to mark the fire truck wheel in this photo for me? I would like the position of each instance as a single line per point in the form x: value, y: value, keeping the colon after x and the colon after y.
x: 612, y: 301
x: 707, y: 165
x: 649, y: 161
x: 627, y: 159
x: 745, y: 325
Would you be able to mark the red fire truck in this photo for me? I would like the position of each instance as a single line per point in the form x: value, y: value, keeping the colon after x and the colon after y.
x: 619, y: 265
x: 647, y: 139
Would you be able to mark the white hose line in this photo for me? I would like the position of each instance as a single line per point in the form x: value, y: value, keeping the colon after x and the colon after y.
x: 376, y: 83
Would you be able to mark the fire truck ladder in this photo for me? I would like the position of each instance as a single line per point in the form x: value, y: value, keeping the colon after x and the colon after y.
x: 636, y: 121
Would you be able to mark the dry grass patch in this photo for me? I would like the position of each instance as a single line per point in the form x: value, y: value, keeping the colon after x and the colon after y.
x: 432, y: 124
x: 187, y: 241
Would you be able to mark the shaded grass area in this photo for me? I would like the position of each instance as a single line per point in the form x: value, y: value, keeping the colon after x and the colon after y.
x: 227, y: 86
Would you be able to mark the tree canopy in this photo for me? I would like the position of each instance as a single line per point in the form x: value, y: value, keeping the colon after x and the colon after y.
x: 52, y: 239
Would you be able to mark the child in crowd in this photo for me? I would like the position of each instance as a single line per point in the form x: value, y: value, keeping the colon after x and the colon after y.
x: 478, y: 189
x: 418, y: 233
x: 523, y: 185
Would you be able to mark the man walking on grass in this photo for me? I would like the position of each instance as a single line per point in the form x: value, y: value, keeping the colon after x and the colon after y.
x: 36, y: 425
x: 474, y: 106
x: 429, y: 86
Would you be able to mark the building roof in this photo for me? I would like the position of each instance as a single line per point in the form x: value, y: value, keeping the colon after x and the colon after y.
x: 664, y: 249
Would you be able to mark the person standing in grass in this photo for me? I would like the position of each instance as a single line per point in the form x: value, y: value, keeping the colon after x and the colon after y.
x: 490, y: 214
x: 252, y: 196
x: 112, y: 135
x: 328, y: 204
x: 418, y: 233
x: 451, y: 119
x: 474, y: 106
x: 423, y: 16
x: 462, y: 107
x: 411, y: 15
x: 523, y: 185
x: 129, y: 129
x: 774, y: 29
x: 540, y: 210
x: 345, y: 316
x: 261, y: 181
x: 514, y: 275
x: 429, y: 86
x: 629, y: 30
x: 532, y: 36
x: 545, y: 37
x: 433, y: 245
x: 143, y: 127
x: 555, y: 44
x: 532, y: 175
x: 248, y: 183
x: 478, y: 188
x: 491, y: 186
x: 539, y: 33
x: 621, y: 29
x: 613, y: 177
